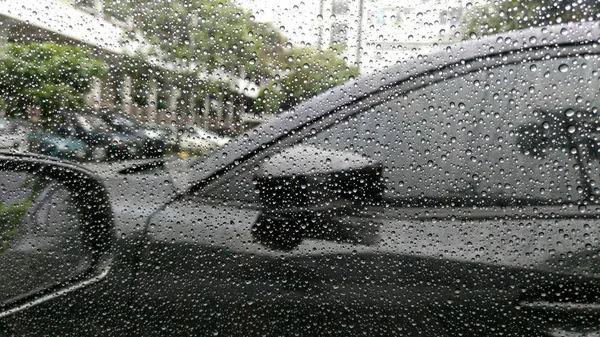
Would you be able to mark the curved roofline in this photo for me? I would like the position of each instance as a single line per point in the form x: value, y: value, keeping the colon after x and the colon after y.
x: 323, y: 104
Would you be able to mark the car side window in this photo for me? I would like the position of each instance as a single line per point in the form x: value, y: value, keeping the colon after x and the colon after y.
x: 518, y: 134
x: 522, y: 134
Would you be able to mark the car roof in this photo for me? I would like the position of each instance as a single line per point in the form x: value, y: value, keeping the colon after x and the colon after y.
x: 323, y: 104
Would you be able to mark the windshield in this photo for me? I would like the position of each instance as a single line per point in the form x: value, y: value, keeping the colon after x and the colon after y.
x: 270, y: 168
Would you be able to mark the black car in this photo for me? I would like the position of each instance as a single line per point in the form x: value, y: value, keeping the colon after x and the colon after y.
x: 151, y: 143
x: 455, y: 195
x: 104, y: 143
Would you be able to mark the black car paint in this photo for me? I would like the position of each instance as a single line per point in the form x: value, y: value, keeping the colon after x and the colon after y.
x: 221, y: 263
x: 199, y: 272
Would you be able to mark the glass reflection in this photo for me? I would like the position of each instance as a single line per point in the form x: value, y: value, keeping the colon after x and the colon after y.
x: 41, y: 242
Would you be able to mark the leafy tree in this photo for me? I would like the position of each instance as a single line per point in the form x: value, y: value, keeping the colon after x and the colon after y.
x: 205, y: 36
x: 504, y: 15
x: 578, y: 133
x: 45, y: 75
x: 12, y: 214
x: 307, y: 73
x: 215, y: 42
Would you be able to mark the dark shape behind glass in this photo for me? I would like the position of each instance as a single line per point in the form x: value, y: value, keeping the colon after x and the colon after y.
x: 574, y: 132
x: 307, y: 192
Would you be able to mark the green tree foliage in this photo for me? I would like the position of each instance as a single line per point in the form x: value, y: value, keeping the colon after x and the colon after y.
x: 504, y: 15
x: 306, y: 72
x: 208, y: 36
x: 221, y: 41
x: 10, y: 218
x: 575, y: 132
x: 45, y: 75
x: 12, y: 214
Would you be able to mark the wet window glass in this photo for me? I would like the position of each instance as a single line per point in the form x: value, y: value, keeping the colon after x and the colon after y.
x: 519, y: 134
x: 91, y: 123
x: 300, y: 168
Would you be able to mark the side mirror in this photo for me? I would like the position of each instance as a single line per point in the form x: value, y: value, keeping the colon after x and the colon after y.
x: 55, y: 230
x: 303, y: 190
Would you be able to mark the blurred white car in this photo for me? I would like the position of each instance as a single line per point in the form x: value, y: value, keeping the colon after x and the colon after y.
x: 12, y: 135
x: 199, y: 141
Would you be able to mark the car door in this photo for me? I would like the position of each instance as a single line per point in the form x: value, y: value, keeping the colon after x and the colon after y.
x: 488, y: 226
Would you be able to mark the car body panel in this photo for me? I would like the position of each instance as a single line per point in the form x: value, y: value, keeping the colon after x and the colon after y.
x: 149, y: 142
x: 443, y: 272
x: 447, y: 270
x: 113, y: 144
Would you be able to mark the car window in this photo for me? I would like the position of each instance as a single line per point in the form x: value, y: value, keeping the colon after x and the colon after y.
x: 519, y: 134
x: 474, y: 140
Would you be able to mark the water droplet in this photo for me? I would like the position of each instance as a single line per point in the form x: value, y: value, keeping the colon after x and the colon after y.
x: 563, y: 68
x: 571, y: 129
x: 569, y: 112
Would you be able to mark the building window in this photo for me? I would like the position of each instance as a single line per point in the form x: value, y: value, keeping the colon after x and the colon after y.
x: 339, y: 7
x: 449, y: 16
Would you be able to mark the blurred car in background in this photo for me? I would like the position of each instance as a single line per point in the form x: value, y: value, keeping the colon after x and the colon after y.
x: 104, y: 143
x: 196, y: 140
x: 12, y: 134
x: 57, y: 145
x: 170, y: 137
x: 150, y: 142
